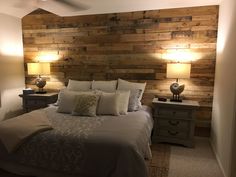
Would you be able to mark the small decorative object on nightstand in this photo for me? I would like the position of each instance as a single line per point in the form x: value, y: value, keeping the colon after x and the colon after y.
x: 177, y: 71
x: 174, y: 122
x: 36, y: 101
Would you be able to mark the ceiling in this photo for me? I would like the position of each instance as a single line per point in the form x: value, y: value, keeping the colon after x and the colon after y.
x: 101, y: 6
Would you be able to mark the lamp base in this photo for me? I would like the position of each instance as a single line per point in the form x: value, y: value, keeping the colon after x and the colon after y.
x: 174, y: 100
x: 40, y: 83
x: 176, y: 90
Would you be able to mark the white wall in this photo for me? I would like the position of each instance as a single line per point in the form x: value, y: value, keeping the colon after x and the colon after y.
x: 11, y: 65
x: 233, y: 157
x: 224, y: 104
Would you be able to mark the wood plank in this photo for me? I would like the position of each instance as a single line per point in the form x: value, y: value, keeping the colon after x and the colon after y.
x: 131, y: 45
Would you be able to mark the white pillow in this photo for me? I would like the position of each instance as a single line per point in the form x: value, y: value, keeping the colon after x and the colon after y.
x: 74, y: 85
x: 108, y: 104
x: 67, y: 100
x: 66, y: 103
x: 108, y: 86
x: 59, y: 96
x: 123, y: 101
x: 126, y: 85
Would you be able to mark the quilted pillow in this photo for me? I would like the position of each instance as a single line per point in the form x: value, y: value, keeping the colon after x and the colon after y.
x: 85, y: 105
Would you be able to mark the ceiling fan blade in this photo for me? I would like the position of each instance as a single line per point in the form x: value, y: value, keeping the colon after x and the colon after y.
x: 73, y: 5
x: 25, y: 4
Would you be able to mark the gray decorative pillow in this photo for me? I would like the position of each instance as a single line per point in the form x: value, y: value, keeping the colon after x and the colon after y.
x: 134, y: 100
x: 126, y: 85
x: 85, y: 105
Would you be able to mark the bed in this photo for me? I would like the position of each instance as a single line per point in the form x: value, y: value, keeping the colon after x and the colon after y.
x: 101, y: 146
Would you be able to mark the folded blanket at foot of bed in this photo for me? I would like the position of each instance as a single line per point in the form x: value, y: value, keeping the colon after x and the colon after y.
x: 13, y: 132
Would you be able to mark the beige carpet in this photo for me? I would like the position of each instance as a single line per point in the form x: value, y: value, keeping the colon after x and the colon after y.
x: 194, y: 162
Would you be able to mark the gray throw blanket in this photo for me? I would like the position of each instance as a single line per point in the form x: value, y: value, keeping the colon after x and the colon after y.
x: 13, y: 132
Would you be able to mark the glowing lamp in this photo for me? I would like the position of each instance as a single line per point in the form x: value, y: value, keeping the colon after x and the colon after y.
x: 177, y: 71
x: 39, y: 69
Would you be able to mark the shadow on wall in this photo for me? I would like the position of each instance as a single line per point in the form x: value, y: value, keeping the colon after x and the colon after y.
x: 11, y: 72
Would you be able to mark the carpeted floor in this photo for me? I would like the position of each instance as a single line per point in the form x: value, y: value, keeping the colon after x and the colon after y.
x: 194, y: 162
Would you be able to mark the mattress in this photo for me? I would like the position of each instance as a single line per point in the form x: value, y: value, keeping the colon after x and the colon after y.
x: 102, y: 146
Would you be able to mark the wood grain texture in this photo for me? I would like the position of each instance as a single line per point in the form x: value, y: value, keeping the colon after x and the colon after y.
x: 129, y: 45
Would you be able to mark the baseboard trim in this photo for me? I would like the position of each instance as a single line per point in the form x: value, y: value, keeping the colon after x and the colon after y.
x: 217, y: 158
x: 202, y: 131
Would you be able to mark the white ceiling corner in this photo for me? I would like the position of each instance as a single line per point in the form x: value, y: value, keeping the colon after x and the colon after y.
x: 102, y: 6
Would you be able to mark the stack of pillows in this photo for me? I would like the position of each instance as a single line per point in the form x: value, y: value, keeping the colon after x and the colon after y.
x: 91, y: 98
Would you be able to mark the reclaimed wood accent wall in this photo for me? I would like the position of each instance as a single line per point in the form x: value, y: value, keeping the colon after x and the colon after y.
x: 134, y: 46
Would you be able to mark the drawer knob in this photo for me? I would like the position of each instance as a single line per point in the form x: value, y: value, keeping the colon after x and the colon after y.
x: 174, y: 123
x: 173, y: 133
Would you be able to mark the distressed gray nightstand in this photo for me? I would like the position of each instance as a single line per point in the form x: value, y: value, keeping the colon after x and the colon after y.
x: 174, y: 122
x: 36, y: 101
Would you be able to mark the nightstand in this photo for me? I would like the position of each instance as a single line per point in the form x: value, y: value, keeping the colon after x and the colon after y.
x: 36, y: 101
x: 174, y: 122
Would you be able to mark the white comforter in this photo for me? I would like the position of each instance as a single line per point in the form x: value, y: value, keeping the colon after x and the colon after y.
x: 103, y: 146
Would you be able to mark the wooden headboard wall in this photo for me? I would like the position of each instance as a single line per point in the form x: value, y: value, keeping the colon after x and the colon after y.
x: 133, y: 46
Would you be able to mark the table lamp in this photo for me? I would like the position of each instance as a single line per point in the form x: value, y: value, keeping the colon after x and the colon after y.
x: 177, y: 71
x: 39, y: 69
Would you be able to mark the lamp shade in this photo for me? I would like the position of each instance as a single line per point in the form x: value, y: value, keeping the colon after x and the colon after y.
x: 178, y: 70
x: 38, y: 68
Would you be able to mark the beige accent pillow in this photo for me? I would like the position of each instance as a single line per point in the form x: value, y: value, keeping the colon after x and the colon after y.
x: 123, y: 101
x: 108, y: 104
x: 74, y: 85
x: 85, y: 105
x: 67, y: 100
x: 126, y: 85
x: 107, y: 86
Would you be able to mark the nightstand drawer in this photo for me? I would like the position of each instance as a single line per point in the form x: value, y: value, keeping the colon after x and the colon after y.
x: 174, y: 124
x: 172, y: 134
x: 173, y: 113
x: 36, y: 103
